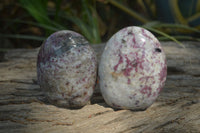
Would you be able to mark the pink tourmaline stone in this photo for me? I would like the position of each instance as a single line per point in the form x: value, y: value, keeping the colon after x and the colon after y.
x: 66, y: 69
x: 132, y: 69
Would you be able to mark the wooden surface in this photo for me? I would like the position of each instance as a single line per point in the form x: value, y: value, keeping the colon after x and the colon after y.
x: 23, y: 107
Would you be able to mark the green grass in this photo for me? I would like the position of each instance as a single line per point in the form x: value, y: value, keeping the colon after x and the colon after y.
x: 84, y: 19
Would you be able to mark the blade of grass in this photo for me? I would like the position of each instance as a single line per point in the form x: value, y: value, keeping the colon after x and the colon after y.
x: 90, y: 19
x: 181, y: 26
x: 20, y: 36
x: 188, y: 38
x: 58, y: 4
x: 95, y: 26
x: 151, y: 24
x: 157, y: 24
x: 129, y: 11
x: 38, y: 10
x: 44, y: 26
x: 96, y: 32
x: 165, y: 35
x: 87, y: 22
x: 83, y: 27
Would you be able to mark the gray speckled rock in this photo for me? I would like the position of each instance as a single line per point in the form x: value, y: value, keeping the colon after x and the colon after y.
x: 132, y: 69
x: 66, y: 69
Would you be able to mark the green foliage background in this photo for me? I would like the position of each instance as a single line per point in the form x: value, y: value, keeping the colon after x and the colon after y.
x: 31, y: 21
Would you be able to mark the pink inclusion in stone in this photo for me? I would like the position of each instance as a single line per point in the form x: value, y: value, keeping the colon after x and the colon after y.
x: 146, y: 90
x: 119, y: 62
x: 129, y: 67
x: 134, y: 40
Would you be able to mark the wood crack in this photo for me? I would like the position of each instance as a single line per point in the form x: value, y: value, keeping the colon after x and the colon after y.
x: 99, y: 113
x: 26, y: 121
x: 177, y: 120
x: 190, y: 103
x: 132, y: 128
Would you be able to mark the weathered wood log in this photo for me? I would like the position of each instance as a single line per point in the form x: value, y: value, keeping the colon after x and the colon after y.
x: 23, y: 107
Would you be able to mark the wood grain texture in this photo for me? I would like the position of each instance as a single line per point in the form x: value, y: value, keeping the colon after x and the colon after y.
x: 24, y: 109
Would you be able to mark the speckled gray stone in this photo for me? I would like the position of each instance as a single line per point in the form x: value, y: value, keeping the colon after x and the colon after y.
x: 66, y: 69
